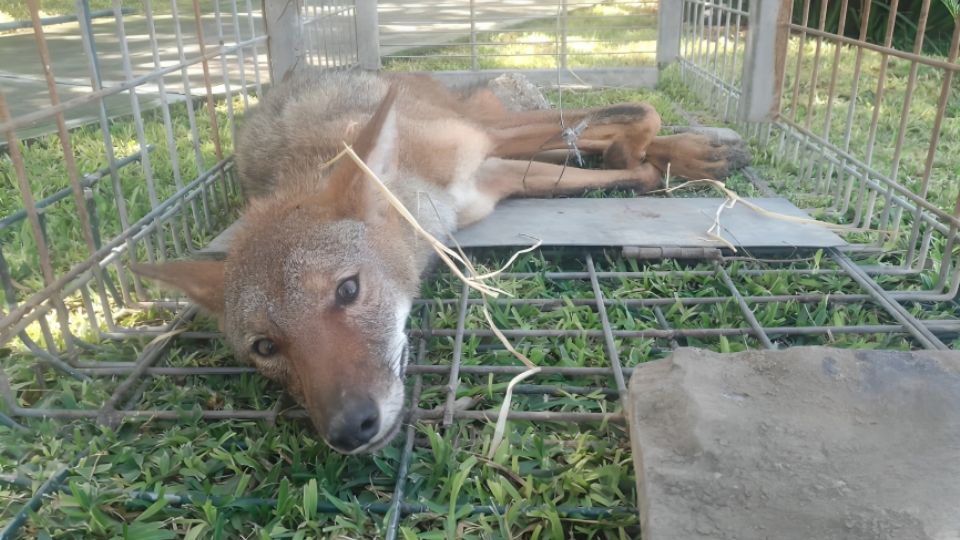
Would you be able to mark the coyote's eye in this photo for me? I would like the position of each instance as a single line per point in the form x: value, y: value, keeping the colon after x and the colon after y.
x: 347, y: 290
x: 264, y: 347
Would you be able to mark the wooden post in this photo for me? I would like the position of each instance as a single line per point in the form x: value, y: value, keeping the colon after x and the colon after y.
x: 763, y: 62
x: 368, y: 34
x: 669, y: 24
x: 284, y: 44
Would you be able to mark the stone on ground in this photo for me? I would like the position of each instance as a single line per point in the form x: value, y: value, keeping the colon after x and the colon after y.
x: 517, y: 93
x: 806, y: 443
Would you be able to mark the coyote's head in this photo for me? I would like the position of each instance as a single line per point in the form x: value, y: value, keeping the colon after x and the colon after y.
x: 315, y: 292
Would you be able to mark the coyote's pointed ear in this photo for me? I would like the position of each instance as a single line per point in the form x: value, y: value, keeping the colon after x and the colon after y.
x: 202, y: 281
x: 378, y: 147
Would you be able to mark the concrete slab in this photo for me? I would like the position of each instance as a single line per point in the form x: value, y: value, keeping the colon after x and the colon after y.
x: 806, y: 443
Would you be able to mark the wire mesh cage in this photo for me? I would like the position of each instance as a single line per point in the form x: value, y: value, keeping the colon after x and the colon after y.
x: 846, y: 133
x: 146, y: 176
x: 118, y: 133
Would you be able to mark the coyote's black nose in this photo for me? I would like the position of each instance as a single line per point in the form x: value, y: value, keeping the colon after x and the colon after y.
x: 357, y: 423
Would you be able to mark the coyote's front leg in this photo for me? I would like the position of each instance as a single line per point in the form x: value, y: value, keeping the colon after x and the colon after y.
x: 498, y: 179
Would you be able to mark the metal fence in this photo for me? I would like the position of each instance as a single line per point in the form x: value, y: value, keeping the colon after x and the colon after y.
x: 853, y: 117
x: 153, y: 185
x: 159, y: 183
x: 608, y: 42
x: 859, y: 118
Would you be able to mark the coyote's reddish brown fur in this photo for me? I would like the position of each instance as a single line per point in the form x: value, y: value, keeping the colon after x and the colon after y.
x: 319, y: 281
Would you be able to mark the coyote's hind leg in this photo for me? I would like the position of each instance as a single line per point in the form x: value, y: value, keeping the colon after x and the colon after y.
x: 498, y: 179
x: 626, y: 136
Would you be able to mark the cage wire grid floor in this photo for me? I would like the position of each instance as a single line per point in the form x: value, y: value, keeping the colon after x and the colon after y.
x: 450, y: 326
x: 616, y: 310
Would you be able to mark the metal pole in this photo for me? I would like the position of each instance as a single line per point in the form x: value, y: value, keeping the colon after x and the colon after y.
x: 669, y: 21
x: 284, y: 46
x: 368, y: 34
x: 474, y: 61
x: 763, y: 61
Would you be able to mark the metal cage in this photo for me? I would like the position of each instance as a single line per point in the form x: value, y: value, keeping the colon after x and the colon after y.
x: 162, y: 88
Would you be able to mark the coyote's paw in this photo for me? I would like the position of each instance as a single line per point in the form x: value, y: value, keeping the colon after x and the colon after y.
x: 713, y: 153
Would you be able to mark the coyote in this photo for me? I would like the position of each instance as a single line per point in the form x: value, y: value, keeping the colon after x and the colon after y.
x: 320, y: 278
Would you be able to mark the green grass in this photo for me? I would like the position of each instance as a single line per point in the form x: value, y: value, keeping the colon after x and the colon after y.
x: 253, y: 480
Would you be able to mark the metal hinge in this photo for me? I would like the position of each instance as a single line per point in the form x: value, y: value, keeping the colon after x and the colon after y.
x: 703, y: 253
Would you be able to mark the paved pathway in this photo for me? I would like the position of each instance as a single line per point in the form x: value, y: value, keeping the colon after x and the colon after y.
x: 403, y: 24
x: 24, y: 86
x: 406, y: 24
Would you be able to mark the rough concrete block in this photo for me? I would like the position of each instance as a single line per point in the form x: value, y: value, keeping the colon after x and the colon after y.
x: 806, y: 443
x: 517, y: 93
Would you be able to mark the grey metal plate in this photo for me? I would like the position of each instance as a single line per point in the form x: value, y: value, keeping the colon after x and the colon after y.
x: 642, y: 222
x: 645, y: 222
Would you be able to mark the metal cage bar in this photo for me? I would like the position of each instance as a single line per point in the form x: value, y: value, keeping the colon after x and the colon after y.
x: 204, y: 66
